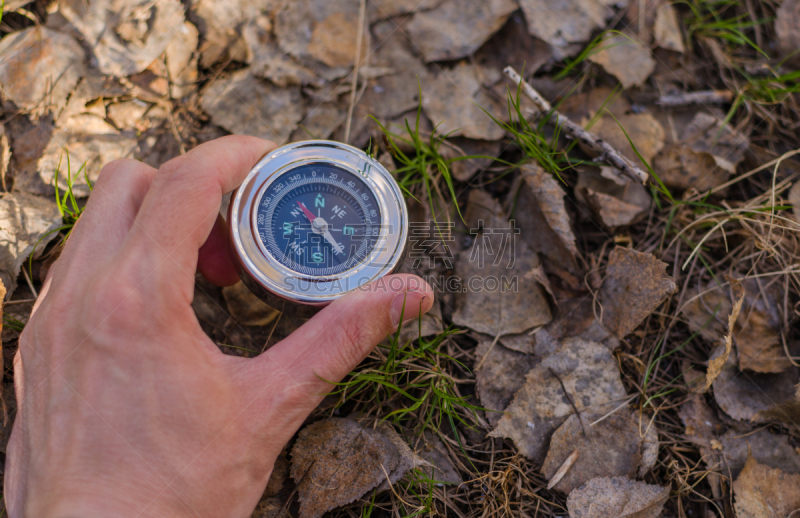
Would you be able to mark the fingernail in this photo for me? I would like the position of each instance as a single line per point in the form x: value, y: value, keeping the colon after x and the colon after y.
x: 407, y: 305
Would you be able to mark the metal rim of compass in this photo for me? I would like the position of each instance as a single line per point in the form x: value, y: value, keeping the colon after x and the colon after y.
x: 271, y: 280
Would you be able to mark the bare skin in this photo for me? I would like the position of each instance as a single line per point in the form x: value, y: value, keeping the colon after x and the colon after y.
x: 125, y: 407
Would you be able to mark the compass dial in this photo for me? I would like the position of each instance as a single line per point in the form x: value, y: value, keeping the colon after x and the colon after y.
x: 318, y: 219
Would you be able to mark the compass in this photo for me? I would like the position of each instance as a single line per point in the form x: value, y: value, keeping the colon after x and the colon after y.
x: 314, y: 220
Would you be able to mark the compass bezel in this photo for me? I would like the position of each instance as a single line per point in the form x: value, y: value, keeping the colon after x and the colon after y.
x: 263, y: 273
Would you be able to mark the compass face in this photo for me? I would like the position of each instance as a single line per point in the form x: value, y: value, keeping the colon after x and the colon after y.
x: 319, y: 219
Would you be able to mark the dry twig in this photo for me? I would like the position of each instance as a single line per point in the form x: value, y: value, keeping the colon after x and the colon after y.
x: 602, y: 150
x: 692, y: 98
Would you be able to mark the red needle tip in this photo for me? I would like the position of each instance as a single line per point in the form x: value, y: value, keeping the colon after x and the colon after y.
x: 310, y: 215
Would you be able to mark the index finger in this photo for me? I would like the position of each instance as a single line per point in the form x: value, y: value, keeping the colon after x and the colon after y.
x: 180, y: 209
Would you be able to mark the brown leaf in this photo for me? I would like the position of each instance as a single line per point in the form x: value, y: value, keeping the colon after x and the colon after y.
x: 336, y: 461
x: 565, y: 22
x: 589, y: 374
x: 743, y: 395
x: 454, y: 99
x: 246, y: 308
x: 441, y: 468
x: 269, y: 61
x: 26, y: 224
x: 245, y: 105
x: 125, y: 37
x: 616, y: 205
x: 787, y: 412
x: 90, y: 140
x: 771, y: 449
x: 620, y: 497
x: 720, y: 355
x: 763, y: 492
x: 321, y: 30
x: 536, y: 231
x: 758, y: 326
x: 408, y: 459
x: 496, y: 256
x: 681, y: 167
x: 500, y: 373
x: 636, y: 284
x: 644, y: 131
x: 514, y: 46
x: 626, y: 59
x: 221, y: 23
x: 666, y: 29
x: 787, y: 20
x: 457, y: 28
x: 463, y: 170
x: 39, y: 69
x: 550, y: 195
x: 609, y: 448
x: 382, y: 9
x: 794, y: 199
x: 710, y: 133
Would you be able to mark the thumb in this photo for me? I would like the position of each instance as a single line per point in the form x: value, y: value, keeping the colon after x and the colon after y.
x: 297, y: 371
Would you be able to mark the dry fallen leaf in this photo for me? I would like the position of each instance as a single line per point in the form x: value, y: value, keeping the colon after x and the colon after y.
x: 591, y: 378
x: 787, y: 19
x: 744, y: 395
x: 408, y: 458
x: 124, y: 37
x: 127, y: 114
x: 704, y: 157
x: 245, y: 105
x: 758, y: 326
x: 609, y: 448
x: 454, y: 99
x: 616, y: 205
x: 222, y: 24
x: 771, y: 449
x: 536, y: 231
x: 794, y: 199
x: 441, y: 468
x: 719, y: 356
x: 550, y: 195
x: 321, y: 30
x: 764, y: 492
x: 643, y: 129
x: 457, y: 28
x: 267, y: 60
x: 500, y: 373
x: 26, y: 222
x: 626, y: 59
x: 565, y: 22
x: 39, y: 69
x: 493, y: 263
x: 787, y: 412
x: 666, y: 29
x: 247, y: 309
x: 90, y: 140
x: 336, y: 461
x: 181, y: 61
x: 382, y: 9
x: 619, y: 497
x: 636, y: 284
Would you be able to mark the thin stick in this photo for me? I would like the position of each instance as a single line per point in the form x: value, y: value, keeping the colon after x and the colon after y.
x: 362, y: 9
x: 692, y: 98
x: 602, y: 150
x: 569, y: 398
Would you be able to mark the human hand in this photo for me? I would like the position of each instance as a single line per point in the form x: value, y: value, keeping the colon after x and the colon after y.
x: 125, y: 406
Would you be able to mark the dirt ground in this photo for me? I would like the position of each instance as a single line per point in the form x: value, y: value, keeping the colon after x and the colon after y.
x: 633, y: 177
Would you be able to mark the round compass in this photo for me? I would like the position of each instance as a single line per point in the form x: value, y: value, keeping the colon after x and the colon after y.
x: 314, y: 220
